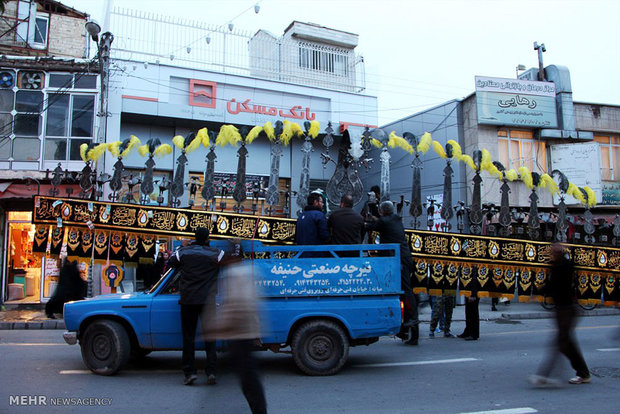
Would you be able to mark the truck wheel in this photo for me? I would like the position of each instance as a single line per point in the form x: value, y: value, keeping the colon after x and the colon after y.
x: 320, y: 348
x: 105, y: 347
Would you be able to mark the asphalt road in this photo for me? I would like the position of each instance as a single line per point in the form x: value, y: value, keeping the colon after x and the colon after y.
x: 441, y: 375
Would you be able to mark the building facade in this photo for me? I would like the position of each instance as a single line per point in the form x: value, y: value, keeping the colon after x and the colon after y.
x: 161, y: 90
x: 522, y: 123
x: 48, y: 95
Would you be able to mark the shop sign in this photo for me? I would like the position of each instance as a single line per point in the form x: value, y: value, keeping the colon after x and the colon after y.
x: 294, y: 112
x: 611, y: 194
x: 112, y: 275
x: 516, y: 102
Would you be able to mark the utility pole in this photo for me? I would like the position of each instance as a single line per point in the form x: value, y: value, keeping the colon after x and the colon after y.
x: 541, y: 70
x: 103, y: 55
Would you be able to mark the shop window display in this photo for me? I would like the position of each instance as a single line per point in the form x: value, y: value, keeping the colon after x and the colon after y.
x: 24, y: 268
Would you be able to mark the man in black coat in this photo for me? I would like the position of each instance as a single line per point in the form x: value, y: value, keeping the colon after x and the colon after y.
x: 199, y: 266
x: 346, y: 225
x: 391, y: 230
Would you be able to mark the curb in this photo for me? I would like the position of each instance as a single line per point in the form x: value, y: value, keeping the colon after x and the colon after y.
x: 37, y: 325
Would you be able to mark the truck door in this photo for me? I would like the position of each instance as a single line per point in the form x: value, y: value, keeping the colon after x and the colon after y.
x: 166, y: 315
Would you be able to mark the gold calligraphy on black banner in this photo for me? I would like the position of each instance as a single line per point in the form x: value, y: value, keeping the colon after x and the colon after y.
x: 162, y: 220
x: 507, y: 252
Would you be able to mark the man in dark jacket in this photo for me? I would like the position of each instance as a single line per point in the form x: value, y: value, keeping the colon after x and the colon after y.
x: 391, y: 230
x: 346, y: 225
x: 311, y: 223
x: 199, y: 265
x: 560, y: 287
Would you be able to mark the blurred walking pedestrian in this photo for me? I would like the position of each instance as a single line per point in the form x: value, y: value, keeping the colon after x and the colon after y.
x: 70, y: 287
x: 561, y: 288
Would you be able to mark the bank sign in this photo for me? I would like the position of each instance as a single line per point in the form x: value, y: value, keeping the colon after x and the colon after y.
x: 516, y: 102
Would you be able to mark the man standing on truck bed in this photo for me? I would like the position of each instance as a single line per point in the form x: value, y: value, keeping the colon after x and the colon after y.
x: 199, y: 265
x: 346, y: 225
x: 391, y: 230
x: 311, y: 223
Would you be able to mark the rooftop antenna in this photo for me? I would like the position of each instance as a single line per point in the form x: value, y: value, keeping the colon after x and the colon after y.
x: 541, y: 71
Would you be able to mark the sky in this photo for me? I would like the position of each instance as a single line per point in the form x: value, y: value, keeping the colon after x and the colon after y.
x: 421, y: 53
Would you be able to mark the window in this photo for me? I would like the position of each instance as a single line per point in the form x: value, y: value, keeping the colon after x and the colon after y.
x: 323, y: 59
x: 40, y: 30
x: 610, y: 157
x: 70, y: 119
x: 517, y: 148
x: 27, y: 125
x: 70, y: 115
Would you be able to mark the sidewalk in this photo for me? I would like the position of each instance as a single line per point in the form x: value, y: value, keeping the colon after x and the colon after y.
x: 36, y: 319
x: 514, y: 310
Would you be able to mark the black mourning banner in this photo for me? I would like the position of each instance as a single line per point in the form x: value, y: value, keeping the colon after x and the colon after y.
x: 162, y: 220
x: 41, y: 233
x: 56, y: 241
x: 486, y: 266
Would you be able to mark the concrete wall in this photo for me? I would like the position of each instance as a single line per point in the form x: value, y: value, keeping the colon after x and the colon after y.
x: 597, y: 118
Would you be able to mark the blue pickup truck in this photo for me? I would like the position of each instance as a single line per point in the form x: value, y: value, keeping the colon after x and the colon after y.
x: 317, y: 300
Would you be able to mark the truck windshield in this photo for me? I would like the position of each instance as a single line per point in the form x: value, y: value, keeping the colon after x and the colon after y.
x: 160, y: 281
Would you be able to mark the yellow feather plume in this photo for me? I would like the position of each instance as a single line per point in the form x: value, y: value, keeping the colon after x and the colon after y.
x: 314, y: 129
x: 113, y: 148
x: 486, y: 163
x: 228, y: 135
x: 269, y: 131
x: 456, y: 149
x: 400, y: 142
x: 287, y: 132
x: 511, y: 175
x: 526, y: 177
x: 95, y: 153
x: 163, y: 149
x: 83, y: 149
x: 296, y: 129
x: 143, y: 150
x: 546, y: 181
x: 575, y: 192
x: 253, y: 134
x: 438, y: 148
x: 591, y: 202
x: 376, y: 143
x: 468, y: 161
x: 425, y: 143
x: 179, y: 141
x: 134, y: 141
x: 194, y: 144
x: 203, y: 135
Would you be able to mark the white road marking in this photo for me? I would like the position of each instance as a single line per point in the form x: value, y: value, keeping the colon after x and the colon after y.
x: 30, y: 344
x: 401, y: 364
x: 522, y: 410
x: 609, y: 349
x: 130, y: 372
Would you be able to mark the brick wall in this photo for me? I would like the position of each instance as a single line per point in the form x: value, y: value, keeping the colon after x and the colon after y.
x: 67, y: 36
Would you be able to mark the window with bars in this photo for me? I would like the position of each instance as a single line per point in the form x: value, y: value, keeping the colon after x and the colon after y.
x: 610, y: 156
x: 323, y: 60
x: 517, y: 148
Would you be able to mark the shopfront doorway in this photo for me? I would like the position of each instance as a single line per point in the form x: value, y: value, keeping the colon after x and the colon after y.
x: 27, y: 277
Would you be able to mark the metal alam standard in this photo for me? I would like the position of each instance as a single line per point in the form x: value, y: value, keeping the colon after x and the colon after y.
x: 444, y: 261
